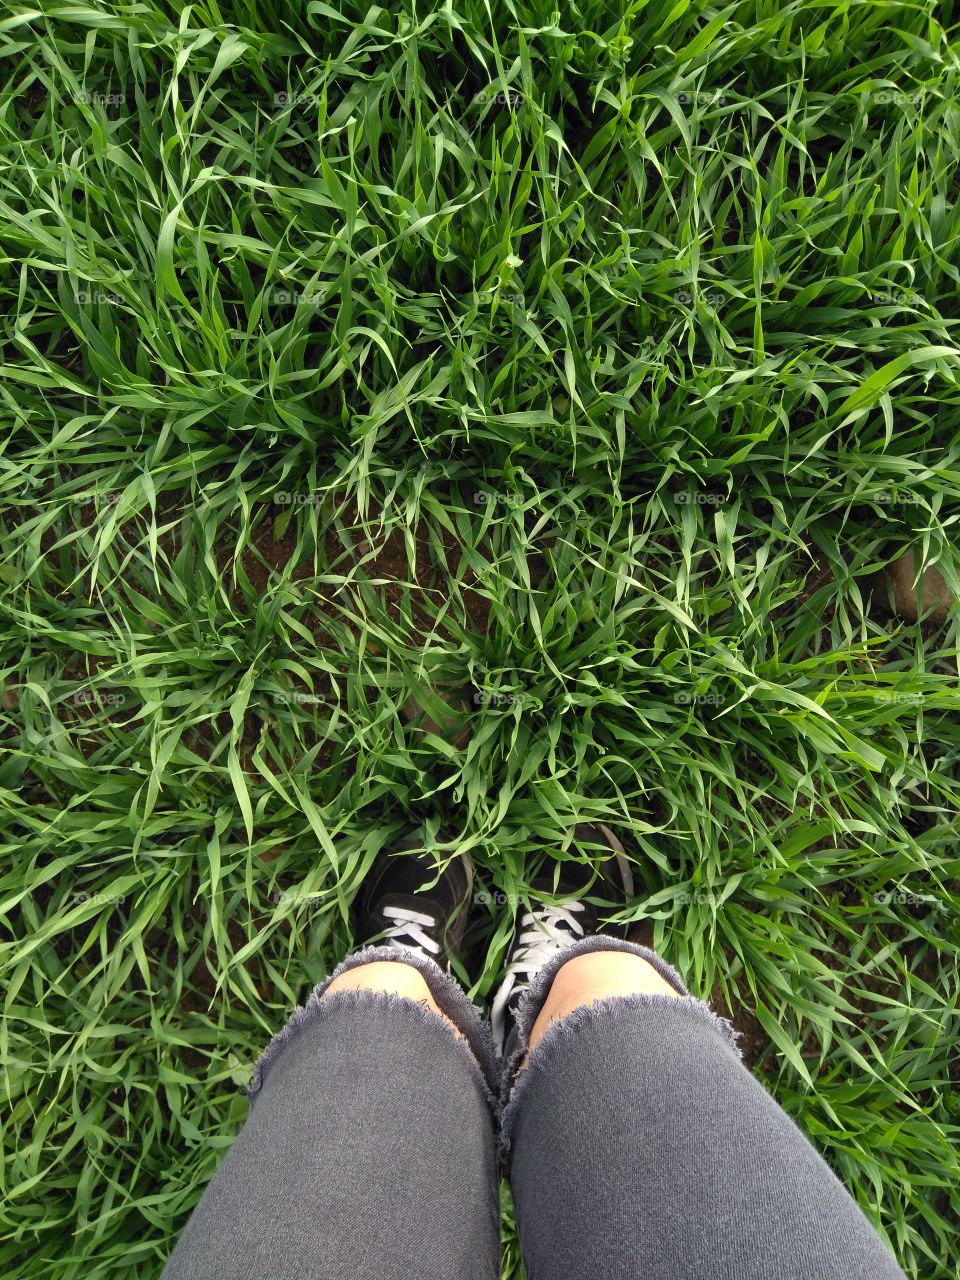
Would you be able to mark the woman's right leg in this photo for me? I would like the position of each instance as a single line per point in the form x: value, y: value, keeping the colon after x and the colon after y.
x: 369, y: 1151
x: 639, y: 1145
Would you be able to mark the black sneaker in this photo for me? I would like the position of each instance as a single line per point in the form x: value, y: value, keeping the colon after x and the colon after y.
x: 394, y: 907
x: 546, y: 929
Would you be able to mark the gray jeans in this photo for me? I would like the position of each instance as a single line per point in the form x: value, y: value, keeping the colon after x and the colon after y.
x: 636, y: 1142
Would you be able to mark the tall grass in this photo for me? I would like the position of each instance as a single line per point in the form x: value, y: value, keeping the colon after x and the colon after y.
x: 576, y: 375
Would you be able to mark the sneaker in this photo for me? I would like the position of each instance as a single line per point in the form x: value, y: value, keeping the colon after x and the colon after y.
x: 546, y: 929
x: 396, y: 909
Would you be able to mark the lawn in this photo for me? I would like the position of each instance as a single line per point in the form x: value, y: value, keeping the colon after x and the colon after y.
x: 485, y: 417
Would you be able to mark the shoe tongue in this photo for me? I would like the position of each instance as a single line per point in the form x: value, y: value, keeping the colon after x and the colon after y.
x: 560, y: 933
x: 416, y: 902
x: 587, y: 916
x: 411, y: 935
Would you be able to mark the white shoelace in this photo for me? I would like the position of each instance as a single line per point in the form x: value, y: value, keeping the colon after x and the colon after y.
x: 543, y: 933
x: 407, y: 931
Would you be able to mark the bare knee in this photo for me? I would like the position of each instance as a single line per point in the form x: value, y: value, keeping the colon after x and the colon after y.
x: 390, y: 976
x: 597, y: 975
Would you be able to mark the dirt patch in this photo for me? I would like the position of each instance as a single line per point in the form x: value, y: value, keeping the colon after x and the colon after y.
x: 361, y: 552
x: 819, y: 574
x: 10, y: 697
x: 266, y: 556
x: 405, y: 577
x: 926, y: 597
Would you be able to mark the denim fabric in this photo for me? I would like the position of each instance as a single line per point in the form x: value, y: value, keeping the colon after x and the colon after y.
x: 637, y: 1144
x: 369, y: 1154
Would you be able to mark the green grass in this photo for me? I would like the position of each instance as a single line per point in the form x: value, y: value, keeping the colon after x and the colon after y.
x: 674, y: 288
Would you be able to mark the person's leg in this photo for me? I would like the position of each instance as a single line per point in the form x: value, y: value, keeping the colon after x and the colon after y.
x: 638, y: 1144
x: 369, y: 1151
